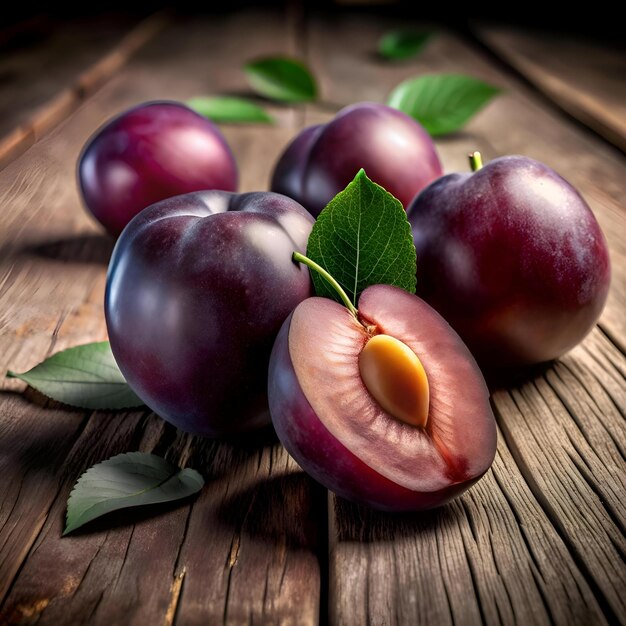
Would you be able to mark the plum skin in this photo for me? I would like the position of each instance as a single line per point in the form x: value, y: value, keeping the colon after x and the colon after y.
x: 197, y: 289
x: 513, y: 258
x: 148, y: 153
x: 395, y: 151
x: 344, y: 469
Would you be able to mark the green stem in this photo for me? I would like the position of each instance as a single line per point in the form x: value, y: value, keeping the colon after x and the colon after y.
x: 300, y: 258
x: 476, y: 161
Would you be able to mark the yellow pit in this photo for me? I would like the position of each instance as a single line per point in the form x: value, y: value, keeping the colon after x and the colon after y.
x: 395, y: 376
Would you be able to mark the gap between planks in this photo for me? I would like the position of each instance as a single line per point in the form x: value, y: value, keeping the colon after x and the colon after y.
x: 545, y: 581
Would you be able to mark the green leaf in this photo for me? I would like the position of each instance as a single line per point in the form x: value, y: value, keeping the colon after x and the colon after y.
x: 281, y: 78
x: 86, y: 376
x: 227, y: 110
x: 442, y: 103
x: 126, y: 480
x: 402, y: 44
x: 363, y: 238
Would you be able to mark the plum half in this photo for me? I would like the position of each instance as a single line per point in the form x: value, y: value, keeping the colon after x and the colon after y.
x: 402, y: 426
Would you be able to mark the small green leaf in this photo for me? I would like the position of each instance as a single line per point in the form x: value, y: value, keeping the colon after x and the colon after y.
x: 442, y: 103
x: 126, y: 480
x: 402, y: 44
x: 225, y: 109
x: 86, y: 376
x: 281, y: 78
x: 363, y: 238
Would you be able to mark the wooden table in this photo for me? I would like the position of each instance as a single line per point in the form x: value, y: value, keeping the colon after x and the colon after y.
x: 539, y: 540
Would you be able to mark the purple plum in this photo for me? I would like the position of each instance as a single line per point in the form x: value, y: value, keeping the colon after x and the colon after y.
x: 331, y: 419
x: 513, y: 258
x: 395, y: 151
x: 151, y: 152
x: 197, y: 289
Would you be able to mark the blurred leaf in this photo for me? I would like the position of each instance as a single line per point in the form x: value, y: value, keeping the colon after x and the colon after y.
x: 363, y: 238
x: 281, y: 78
x: 442, y: 103
x: 225, y: 109
x: 85, y: 376
x: 126, y: 480
x: 402, y: 44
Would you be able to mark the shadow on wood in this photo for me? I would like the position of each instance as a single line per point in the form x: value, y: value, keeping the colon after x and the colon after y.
x: 88, y: 248
x: 364, y: 525
x: 278, y: 509
x: 507, y: 378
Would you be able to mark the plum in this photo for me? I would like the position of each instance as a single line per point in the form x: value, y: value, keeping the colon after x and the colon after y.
x: 387, y: 407
x: 513, y: 258
x: 151, y: 152
x: 395, y: 151
x: 197, y: 289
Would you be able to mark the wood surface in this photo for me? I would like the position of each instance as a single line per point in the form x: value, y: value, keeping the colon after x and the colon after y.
x: 247, y: 548
x: 584, y: 77
x: 539, y: 540
x: 570, y: 569
x: 45, y: 83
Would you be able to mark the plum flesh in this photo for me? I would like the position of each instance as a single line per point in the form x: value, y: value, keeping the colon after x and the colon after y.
x: 513, y: 258
x: 338, y: 433
x: 197, y: 289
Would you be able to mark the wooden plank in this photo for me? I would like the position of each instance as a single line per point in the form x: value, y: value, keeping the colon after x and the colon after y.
x: 247, y: 548
x: 267, y: 517
x: 540, y: 539
x: 583, y: 77
x: 568, y: 437
x: 45, y: 83
x: 241, y: 551
x: 490, y: 557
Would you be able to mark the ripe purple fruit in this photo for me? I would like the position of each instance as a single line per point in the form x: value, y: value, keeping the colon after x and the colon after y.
x: 151, y: 152
x: 394, y: 443
x: 197, y: 289
x: 513, y: 258
x: 395, y: 151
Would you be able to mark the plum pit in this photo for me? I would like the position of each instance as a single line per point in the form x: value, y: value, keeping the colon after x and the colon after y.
x: 395, y: 377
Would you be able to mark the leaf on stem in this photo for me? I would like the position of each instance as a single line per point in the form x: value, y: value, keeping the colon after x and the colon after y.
x: 363, y: 238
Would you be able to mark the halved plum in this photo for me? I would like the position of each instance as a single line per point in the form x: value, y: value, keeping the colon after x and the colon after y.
x: 334, y: 427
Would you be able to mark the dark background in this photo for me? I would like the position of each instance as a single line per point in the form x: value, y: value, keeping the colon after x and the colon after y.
x: 598, y: 20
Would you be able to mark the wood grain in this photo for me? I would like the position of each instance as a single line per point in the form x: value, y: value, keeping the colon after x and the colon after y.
x: 539, y: 540
x: 491, y: 557
x: 247, y: 548
x: 583, y: 77
x: 73, y: 67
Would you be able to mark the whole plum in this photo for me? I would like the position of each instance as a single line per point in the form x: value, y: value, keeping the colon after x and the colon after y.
x: 151, y: 152
x: 197, y: 289
x: 513, y: 258
x: 395, y: 151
